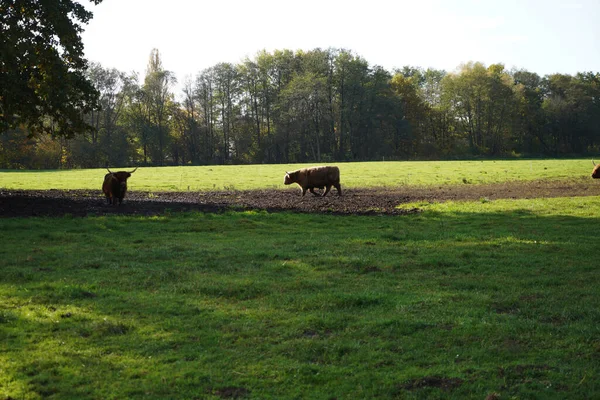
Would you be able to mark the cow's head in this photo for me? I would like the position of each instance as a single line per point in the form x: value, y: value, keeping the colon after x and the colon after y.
x: 596, y: 171
x: 122, y: 176
x: 289, y: 178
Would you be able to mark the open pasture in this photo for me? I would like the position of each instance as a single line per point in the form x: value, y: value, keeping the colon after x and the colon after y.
x: 268, y: 176
x: 491, y: 298
x: 463, y: 300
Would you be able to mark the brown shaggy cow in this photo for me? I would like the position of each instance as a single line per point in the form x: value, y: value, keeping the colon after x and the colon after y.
x: 596, y: 170
x: 115, y: 185
x: 315, y: 177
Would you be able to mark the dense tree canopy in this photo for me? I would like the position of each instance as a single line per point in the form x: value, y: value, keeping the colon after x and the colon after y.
x: 43, y: 85
x: 321, y: 106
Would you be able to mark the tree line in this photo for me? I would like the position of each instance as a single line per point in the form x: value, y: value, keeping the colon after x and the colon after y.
x: 318, y: 106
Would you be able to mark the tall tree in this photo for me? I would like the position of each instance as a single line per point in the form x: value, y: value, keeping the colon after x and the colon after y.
x: 204, y: 92
x: 108, y: 142
x: 136, y: 116
x: 483, y: 101
x: 302, y: 104
x: 284, y: 66
x: 529, y: 135
x: 590, y: 108
x: 414, y: 107
x: 158, y: 95
x: 42, y: 67
x: 226, y: 93
x: 437, y: 135
x: 189, y: 120
x: 351, y: 78
x: 251, y: 88
x: 266, y: 66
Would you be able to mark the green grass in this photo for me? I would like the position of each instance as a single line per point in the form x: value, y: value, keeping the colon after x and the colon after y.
x: 488, y: 297
x: 244, y: 177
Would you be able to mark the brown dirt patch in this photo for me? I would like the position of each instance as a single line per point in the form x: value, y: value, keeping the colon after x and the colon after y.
x: 369, y: 201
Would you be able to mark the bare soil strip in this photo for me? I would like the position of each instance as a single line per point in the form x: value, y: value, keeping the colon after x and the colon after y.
x: 368, y: 201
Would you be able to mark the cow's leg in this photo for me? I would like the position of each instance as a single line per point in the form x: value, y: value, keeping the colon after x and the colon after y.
x: 338, y: 187
x: 327, y: 189
x: 312, y: 190
x: 303, y: 191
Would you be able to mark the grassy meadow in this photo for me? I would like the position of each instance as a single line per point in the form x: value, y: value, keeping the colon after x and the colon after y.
x: 269, y: 176
x: 495, y: 299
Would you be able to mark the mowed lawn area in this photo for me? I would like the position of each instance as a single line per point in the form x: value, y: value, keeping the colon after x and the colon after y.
x: 487, y: 299
x: 268, y: 176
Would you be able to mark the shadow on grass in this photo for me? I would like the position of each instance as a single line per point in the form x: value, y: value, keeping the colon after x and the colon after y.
x: 279, y: 305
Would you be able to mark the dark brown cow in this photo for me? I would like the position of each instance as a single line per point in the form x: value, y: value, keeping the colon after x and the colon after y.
x: 315, y: 177
x: 596, y: 171
x: 115, y: 185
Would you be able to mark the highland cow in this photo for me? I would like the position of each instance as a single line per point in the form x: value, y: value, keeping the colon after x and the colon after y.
x: 115, y: 185
x: 315, y: 177
x: 596, y: 171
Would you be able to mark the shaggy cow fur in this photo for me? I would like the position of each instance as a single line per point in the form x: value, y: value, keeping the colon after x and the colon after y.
x: 115, y: 185
x: 596, y: 171
x: 315, y: 177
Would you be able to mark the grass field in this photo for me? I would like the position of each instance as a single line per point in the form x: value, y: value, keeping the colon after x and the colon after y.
x: 243, y: 177
x: 464, y: 300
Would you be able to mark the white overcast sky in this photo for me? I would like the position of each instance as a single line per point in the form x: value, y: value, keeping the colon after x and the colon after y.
x: 542, y: 36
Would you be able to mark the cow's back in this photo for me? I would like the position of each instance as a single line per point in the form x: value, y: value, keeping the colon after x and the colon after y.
x: 321, y: 176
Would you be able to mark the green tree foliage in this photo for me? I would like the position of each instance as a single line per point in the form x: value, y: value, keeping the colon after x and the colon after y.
x: 227, y: 100
x: 571, y: 108
x: 158, y: 98
x: 483, y: 102
x: 438, y: 135
x: 186, y: 123
x: 109, y: 143
x: 43, y: 85
x: 415, y: 110
x: 204, y: 92
x: 149, y: 116
x: 529, y: 117
x: 319, y: 106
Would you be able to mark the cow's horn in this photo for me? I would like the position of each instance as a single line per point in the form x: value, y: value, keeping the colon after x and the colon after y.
x: 593, y: 163
x: 133, y: 170
x: 109, y: 170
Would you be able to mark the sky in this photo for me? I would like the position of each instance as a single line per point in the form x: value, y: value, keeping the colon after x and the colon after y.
x: 542, y: 36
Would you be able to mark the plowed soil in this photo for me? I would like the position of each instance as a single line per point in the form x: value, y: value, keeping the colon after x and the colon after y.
x: 368, y: 201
